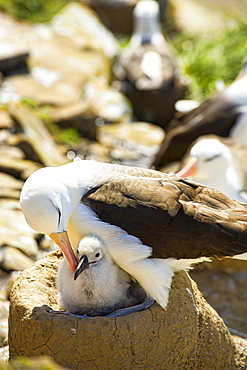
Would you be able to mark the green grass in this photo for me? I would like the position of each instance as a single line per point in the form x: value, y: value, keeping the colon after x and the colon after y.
x: 61, y: 135
x: 32, y: 10
x: 64, y: 135
x: 30, y: 103
x: 208, y: 58
x: 205, y: 59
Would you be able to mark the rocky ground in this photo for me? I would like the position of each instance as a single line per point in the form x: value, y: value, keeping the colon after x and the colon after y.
x: 61, y: 72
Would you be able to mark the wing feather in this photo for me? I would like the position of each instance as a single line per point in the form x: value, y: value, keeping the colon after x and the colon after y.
x: 176, y: 217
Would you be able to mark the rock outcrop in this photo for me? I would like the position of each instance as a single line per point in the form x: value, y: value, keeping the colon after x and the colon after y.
x: 188, y: 335
x: 223, y: 284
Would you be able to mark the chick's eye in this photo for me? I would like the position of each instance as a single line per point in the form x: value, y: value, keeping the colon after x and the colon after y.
x: 97, y: 254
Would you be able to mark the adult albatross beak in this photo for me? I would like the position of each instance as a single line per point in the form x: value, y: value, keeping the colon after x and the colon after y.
x: 189, y: 169
x: 62, y: 240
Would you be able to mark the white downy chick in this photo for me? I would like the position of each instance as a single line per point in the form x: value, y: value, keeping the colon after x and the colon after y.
x: 98, y: 286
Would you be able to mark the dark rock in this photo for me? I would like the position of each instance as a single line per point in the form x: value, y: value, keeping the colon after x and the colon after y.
x: 116, y: 15
x: 16, y: 64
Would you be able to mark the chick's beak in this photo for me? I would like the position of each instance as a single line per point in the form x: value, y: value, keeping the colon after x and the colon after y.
x: 82, y: 265
x: 62, y: 240
x: 189, y: 169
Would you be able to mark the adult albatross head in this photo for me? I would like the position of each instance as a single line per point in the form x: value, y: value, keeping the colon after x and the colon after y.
x: 138, y: 213
x: 48, y: 199
x: 219, y: 163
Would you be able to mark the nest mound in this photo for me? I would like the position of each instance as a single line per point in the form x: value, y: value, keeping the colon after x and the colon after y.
x: 188, y: 335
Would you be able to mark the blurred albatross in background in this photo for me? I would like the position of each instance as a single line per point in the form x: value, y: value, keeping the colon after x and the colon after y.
x: 223, y: 114
x: 147, y: 68
x: 219, y: 163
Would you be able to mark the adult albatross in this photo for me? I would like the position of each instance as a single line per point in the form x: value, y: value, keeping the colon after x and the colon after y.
x: 219, y: 163
x: 138, y: 213
x: 147, y: 70
x: 223, y: 114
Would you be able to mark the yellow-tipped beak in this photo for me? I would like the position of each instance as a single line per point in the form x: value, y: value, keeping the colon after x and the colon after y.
x: 189, y: 169
x: 62, y: 240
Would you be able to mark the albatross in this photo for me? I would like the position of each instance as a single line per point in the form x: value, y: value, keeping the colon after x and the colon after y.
x: 98, y: 286
x: 147, y: 70
x: 219, y: 163
x: 223, y: 114
x: 138, y: 213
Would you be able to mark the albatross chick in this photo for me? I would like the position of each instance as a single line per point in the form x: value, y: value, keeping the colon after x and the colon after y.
x: 98, y: 286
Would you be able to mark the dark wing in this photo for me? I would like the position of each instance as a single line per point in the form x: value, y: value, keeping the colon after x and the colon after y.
x: 178, y: 218
x: 215, y: 115
x: 152, y: 98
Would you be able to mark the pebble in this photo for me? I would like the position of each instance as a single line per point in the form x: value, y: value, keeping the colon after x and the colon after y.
x: 4, y: 354
x: 4, y: 313
x: 12, y: 259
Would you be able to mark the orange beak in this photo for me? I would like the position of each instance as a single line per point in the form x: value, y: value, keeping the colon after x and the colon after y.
x: 62, y: 240
x: 189, y: 169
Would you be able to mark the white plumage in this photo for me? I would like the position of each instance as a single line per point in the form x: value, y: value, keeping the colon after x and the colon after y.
x: 218, y: 163
x: 151, y: 65
x: 147, y: 26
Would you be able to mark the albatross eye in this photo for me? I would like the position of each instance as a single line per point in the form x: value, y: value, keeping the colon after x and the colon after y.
x: 97, y: 254
x: 59, y: 215
x: 211, y: 158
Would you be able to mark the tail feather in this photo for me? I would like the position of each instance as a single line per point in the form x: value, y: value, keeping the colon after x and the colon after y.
x: 242, y: 256
x: 155, y: 275
x: 185, y: 264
